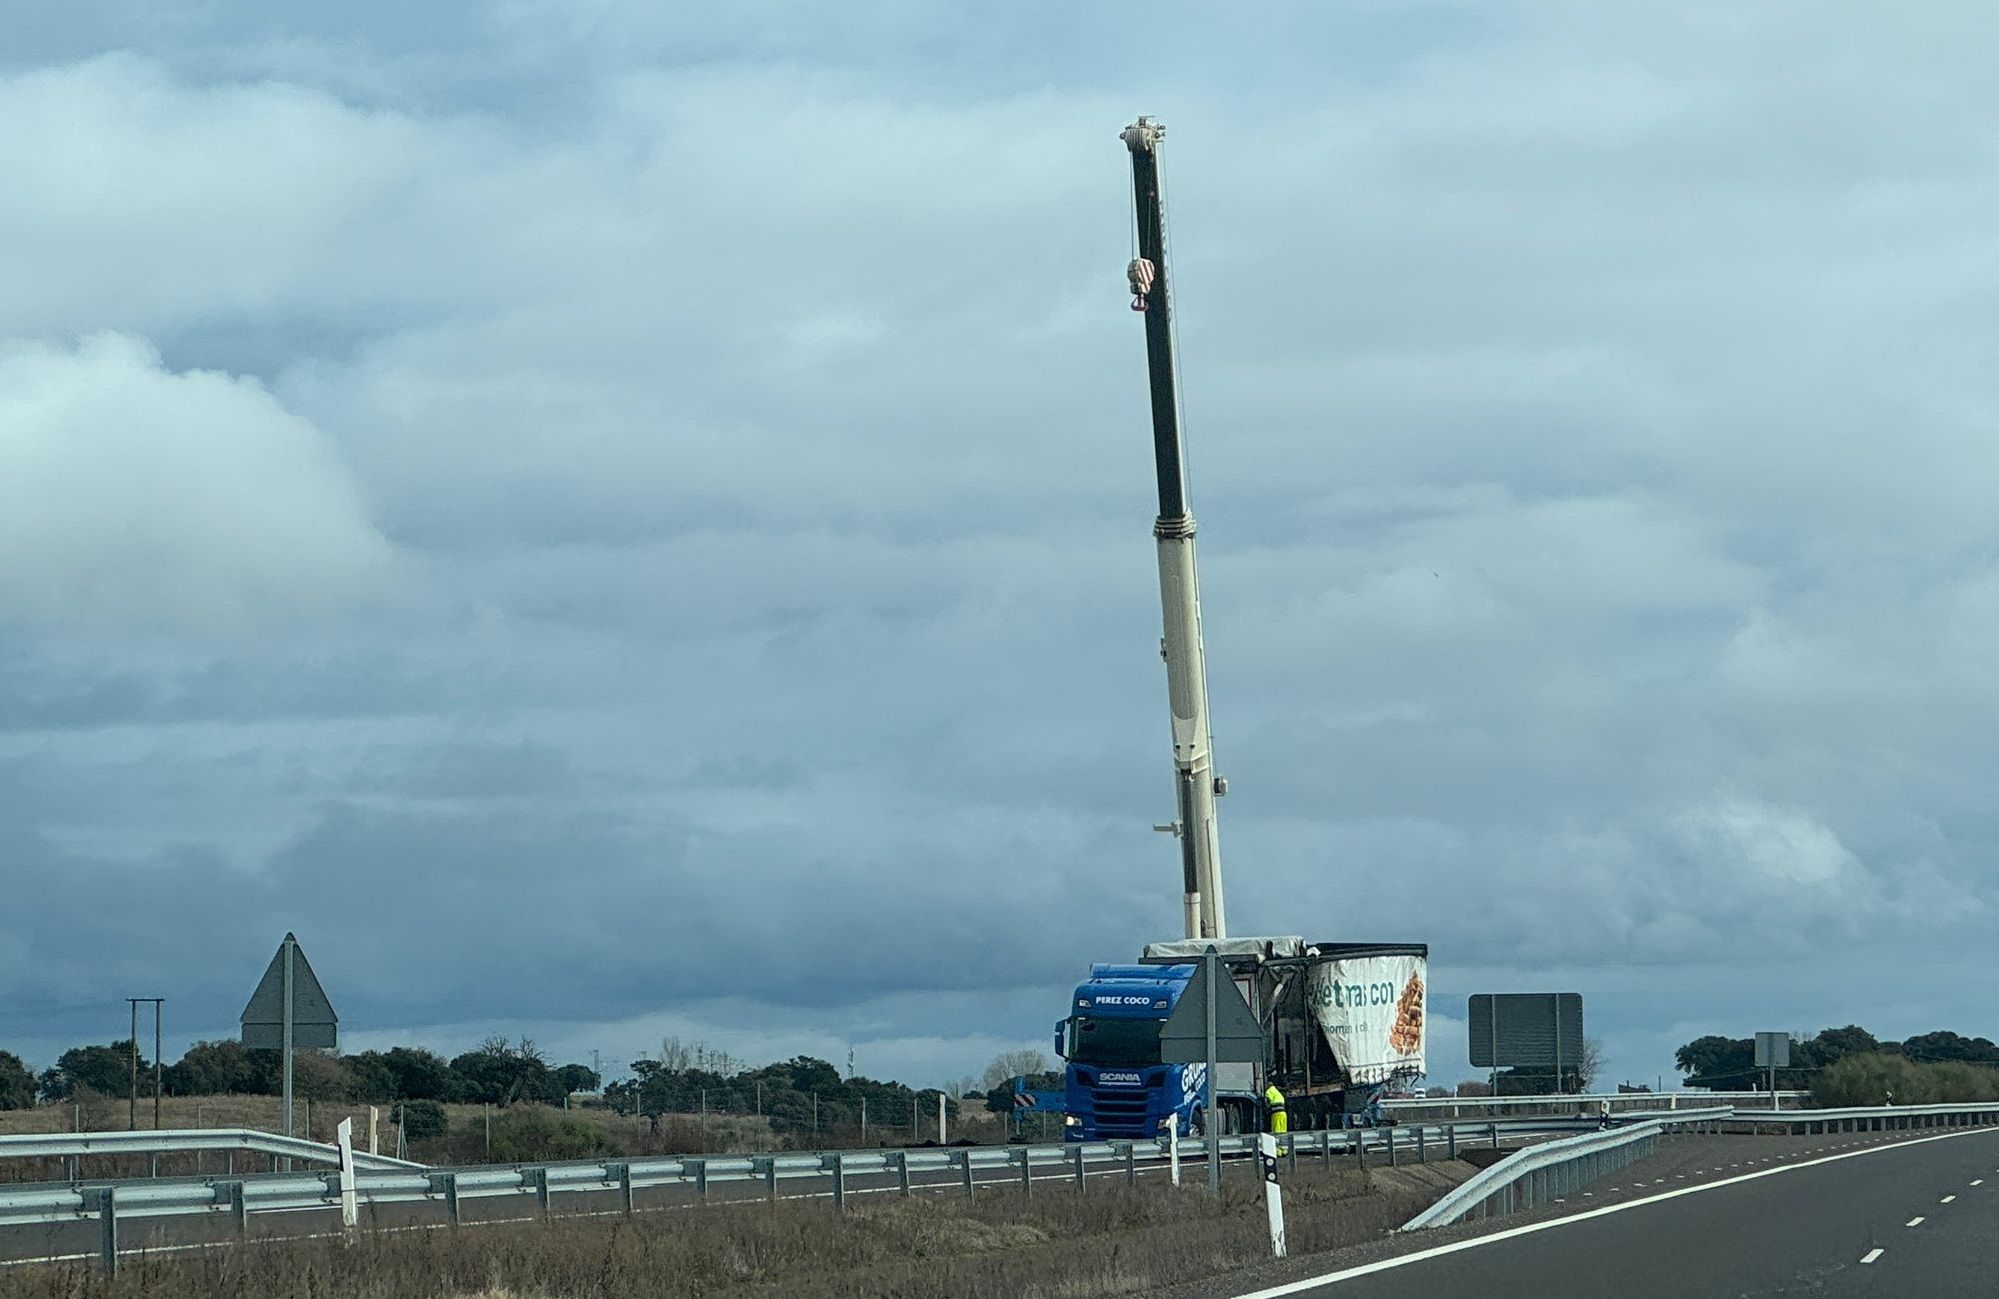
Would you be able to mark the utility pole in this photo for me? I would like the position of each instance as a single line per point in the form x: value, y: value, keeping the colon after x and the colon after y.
x: 158, y: 1005
x: 133, y: 1122
x: 1197, y: 786
x: 133, y: 1117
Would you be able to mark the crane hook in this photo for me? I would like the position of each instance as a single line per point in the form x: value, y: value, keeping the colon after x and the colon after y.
x: 1140, y: 275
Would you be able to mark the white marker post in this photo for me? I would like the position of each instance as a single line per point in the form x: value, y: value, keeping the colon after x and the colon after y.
x: 1173, y: 1145
x: 1273, y: 1194
x: 350, y: 1205
x: 943, y: 1136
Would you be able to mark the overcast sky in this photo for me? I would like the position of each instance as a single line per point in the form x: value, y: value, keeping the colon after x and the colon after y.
x: 615, y: 520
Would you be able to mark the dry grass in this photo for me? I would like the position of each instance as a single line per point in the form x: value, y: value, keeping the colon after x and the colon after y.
x: 1109, y: 1240
x: 464, y: 1141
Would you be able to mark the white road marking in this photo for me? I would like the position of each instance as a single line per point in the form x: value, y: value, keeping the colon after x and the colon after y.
x: 1870, y: 1256
x: 1947, y: 1199
x: 1916, y: 1221
x: 1388, y: 1264
x: 1978, y: 1181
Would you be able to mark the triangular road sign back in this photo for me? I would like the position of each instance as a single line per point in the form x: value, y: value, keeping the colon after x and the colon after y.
x: 1184, y: 1037
x: 313, y: 1022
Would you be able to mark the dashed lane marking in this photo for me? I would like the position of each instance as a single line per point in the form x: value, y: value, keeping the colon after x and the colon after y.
x: 1916, y: 1221
x: 1947, y: 1199
x: 1870, y: 1255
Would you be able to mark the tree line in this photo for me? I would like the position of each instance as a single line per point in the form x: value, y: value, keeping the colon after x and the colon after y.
x: 497, y: 1072
x: 1716, y: 1063
x: 797, y: 1096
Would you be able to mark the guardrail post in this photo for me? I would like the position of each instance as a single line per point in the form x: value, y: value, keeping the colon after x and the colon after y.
x: 623, y: 1175
x: 1291, y: 1150
x: 902, y: 1171
x: 153, y: 1164
x: 1076, y: 1157
x: 446, y: 1184
x: 1130, y: 1165
x: 229, y: 1163
x: 239, y: 1208
x: 963, y: 1158
x: 107, y: 1218
x: 537, y: 1180
x: 839, y: 1181
x: 1026, y: 1174
x: 1451, y: 1141
x: 1325, y: 1148
x: 1494, y: 1127
x: 700, y: 1167
x: 1422, y: 1146
x: 1391, y: 1147
x: 1359, y: 1140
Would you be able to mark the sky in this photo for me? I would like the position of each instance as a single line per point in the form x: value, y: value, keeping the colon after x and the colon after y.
x: 617, y: 521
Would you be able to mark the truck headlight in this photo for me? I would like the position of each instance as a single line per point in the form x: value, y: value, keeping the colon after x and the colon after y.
x: 1071, y: 1121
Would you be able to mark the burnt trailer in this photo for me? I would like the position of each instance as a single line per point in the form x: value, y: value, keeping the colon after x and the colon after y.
x: 1341, y: 1023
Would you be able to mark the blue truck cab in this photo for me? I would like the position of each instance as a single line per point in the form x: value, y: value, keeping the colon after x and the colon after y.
x: 1115, y: 1086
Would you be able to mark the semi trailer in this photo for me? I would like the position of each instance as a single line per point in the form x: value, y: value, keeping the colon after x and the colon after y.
x: 1341, y: 1023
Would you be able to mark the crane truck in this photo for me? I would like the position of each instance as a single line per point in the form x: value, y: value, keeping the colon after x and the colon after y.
x: 1340, y: 1021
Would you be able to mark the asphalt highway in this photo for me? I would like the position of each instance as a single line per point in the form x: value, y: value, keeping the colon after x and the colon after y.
x: 1909, y: 1218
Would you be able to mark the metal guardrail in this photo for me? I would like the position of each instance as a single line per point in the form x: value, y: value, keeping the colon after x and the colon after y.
x: 1871, y: 1118
x: 1619, y: 1102
x: 75, y: 1146
x: 928, y: 1169
x: 1539, y: 1173
x: 1554, y: 1168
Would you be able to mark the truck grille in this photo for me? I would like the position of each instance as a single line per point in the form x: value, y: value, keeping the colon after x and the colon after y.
x: 1120, y: 1111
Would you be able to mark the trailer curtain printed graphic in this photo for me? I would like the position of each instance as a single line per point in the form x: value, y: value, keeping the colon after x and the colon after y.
x: 1372, y: 1010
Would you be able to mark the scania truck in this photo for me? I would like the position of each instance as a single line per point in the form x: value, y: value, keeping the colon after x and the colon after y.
x: 1341, y: 1023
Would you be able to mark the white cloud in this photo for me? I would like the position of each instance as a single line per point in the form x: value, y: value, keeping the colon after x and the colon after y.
x: 1784, y: 849
x: 135, y: 498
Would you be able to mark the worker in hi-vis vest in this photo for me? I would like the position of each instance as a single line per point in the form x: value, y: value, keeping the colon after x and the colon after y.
x: 1273, y: 1100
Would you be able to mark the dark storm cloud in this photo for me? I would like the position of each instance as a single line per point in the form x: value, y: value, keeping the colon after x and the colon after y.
x: 706, y: 586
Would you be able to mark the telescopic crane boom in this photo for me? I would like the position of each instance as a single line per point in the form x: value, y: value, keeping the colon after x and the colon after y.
x: 1179, y: 586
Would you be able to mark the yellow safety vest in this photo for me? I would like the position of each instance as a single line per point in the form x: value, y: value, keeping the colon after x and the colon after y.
x: 1280, y: 1120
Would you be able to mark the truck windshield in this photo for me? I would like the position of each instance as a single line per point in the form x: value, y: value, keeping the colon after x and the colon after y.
x: 1115, y: 1041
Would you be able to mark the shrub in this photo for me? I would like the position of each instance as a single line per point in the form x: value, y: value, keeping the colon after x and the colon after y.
x: 422, y: 1120
x: 531, y: 1133
x: 1872, y: 1078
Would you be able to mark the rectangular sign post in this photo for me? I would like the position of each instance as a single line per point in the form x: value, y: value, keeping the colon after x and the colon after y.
x: 1773, y: 1052
x: 1527, y: 1030
x: 287, y: 1011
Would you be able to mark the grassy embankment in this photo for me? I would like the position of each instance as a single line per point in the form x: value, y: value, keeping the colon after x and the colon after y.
x: 1108, y: 1240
